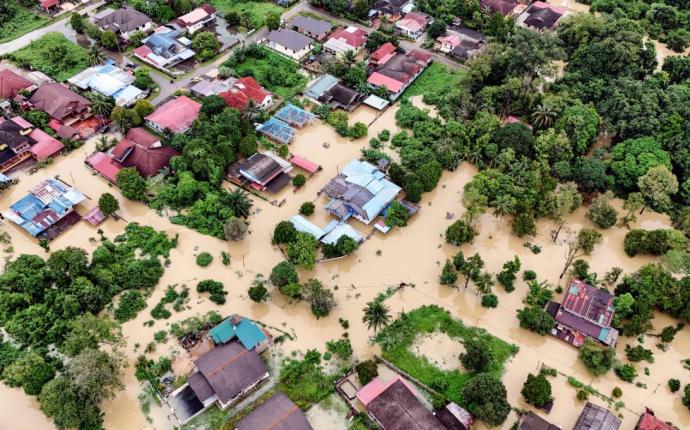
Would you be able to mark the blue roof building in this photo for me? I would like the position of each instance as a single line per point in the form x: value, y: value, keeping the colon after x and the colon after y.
x: 243, y: 329
x: 46, y: 205
x: 360, y: 191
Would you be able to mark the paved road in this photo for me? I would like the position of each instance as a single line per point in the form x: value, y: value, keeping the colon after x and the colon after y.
x: 61, y: 26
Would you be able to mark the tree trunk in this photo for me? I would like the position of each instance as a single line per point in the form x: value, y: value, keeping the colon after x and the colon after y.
x: 557, y: 232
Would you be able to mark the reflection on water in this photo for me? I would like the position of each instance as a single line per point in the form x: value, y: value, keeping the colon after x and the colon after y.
x: 412, y: 255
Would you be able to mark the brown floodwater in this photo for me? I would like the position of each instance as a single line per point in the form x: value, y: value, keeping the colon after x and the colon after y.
x: 413, y: 255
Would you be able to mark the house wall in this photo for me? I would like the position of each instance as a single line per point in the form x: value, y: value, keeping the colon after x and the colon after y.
x: 201, y: 24
x: 146, y: 27
x: 297, y: 55
x: 406, y: 32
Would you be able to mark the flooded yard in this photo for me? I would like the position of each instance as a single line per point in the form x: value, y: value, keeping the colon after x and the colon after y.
x: 413, y: 255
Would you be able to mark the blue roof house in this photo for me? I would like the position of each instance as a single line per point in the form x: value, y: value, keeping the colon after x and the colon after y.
x: 244, y: 330
x: 361, y: 191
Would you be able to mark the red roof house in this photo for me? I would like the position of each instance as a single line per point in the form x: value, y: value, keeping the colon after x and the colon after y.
x: 399, y: 71
x: 448, y: 43
x: 384, y: 53
x: 650, y: 422
x: 504, y: 7
x: 413, y: 24
x: 139, y: 149
x: 48, y: 4
x: 345, y: 39
x: 11, y: 83
x: 176, y: 115
x: 245, y: 89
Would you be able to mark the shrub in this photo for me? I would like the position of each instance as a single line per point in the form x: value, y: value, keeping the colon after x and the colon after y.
x: 626, y: 372
x: 216, y: 289
x: 225, y: 258
x: 283, y: 273
x: 686, y: 396
x: 204, y: 259
x: 639, y: 353
x: 477, y: 356
x: 536, y: 390
x: 673, y: 385
x: 601, y: 213
x: 292, y: 290
x: 384, y: 135
x: 489, y: 301
x: 536, y: 319
x: 367, y: 371
x: 285, y: 232
x: 321, y: 298
x: 486, y: 398
x: 523, y: 225
x: 653, y: 242
x: 597, y: 359
x: 131, y: 302
x: 529, y: 275
x: 342, y: 348
x: 307, y: 208
x: 397, y: 215
x: 258, y: 292
x: 617, y: 393
x: 582, y: 395
x: 299, y: 180
x: 460, y: 232
x: 448, y: 275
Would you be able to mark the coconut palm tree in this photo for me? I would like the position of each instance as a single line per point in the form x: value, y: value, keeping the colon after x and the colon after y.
x: 503, y: 204
x: 376, y: 315
x: 349, y: 57
x: 95, y: 55
x: 101, y: 105
x: 239, y: 202
x: 484, y: 283
x: 251, y: 110
x: 543, y: 117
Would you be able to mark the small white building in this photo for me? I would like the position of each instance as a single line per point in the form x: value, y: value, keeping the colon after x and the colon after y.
x: 290, y: 43
x: 198, y: 19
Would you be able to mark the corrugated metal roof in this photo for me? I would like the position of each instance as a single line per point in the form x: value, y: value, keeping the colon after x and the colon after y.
x: 306, y: 226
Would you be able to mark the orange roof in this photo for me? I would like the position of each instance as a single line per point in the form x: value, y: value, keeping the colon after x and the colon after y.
x: 382, y: 51
x: 391, y: 84
x: 243, y: 90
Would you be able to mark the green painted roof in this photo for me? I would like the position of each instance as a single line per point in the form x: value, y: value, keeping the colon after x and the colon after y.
x: 249, y: 333
x: 223, y: 332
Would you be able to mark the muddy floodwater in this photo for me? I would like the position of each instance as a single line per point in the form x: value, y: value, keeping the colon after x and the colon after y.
x: 413, y: 255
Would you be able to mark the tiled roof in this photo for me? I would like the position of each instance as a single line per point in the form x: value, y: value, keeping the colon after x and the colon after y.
x: 311, y: 25
x: 382, y: 51
x: 277, y: 413
x: 58, y: 101
x: 413, y: 21
x: 176, y: 115
x: 398, y: 408
x: 11, y: 83
x: 352, y: 36
x: 289, y: 39
x: 124, y: 19
x: 650, y: 422
x: 242, y: 91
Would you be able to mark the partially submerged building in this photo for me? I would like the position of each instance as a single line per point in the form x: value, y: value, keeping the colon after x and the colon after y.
x: 276, y: 413
x: 330, y: 234
x: 47, y: 210
x: 242, y: 330
x: 20, y: 141
x: 532, y: 421
x: 398, y: 72
x: 294, y: 116
x: 395, y: 405
x: 360, y: 191
x: 110, y: 81
x: 164, y: 49
x: 541, y: 16
x: 586, y: 312
x: 125, y: 22
x: 277, y: 131
x: 176, y: 115
x: 223, y: 376
x: 261, y: 171
x: 648, y: 421
x: 138, y: 149
x: 327, y: 90
x: 594, y: 417
x: 453, y: 417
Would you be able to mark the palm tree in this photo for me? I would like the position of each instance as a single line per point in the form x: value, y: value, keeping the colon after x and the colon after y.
x: 484, y: 283
x: 376, y: 315
x: 239, y: 202
x: 543, y: 116
x: 95, y: 55
x: 251, y: 110
x: 101, y: 105
x: 503, y: 205
x: 349, y: 57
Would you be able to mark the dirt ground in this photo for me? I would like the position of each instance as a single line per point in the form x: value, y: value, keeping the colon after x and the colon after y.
x: 413, y: 255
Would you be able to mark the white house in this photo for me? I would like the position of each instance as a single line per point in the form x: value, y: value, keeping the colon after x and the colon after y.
x: 198, y: 19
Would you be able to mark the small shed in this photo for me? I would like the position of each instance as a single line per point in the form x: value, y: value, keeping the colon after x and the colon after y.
x: 376, y: 102
x: 94, y: 216
x: 336, y: 229
x: 305, y: 164
x: 305, y: 226
x: 453, y: 417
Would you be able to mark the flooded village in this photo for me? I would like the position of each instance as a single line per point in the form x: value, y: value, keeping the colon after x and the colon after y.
x: 234, y: 327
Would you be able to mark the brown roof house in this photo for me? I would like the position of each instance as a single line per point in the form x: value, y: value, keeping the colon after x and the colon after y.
x: 594, y: 417
x: 314, y: 28
x: 394, y: 405
x: 276, y: 413
x: 289, y: 42
x: 224, y: 375
x: 11, y: 84
x: 125, y: 21
x: 263, y: 171
x: 453, y: 417
x: 60, y: 103
x: 139, y: 149
x: 532, y: 421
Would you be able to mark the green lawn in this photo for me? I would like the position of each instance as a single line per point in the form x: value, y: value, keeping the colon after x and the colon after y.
x: 435, y: 81
x: 276, y: 73
x: 257, y: 10
x: 53, y: 55
x: 22, y: 22
x: 397, y: 338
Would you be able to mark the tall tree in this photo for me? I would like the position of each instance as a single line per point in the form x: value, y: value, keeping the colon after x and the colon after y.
x: 376, y: 315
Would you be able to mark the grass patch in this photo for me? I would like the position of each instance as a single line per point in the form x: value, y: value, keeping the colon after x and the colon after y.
x: 435, y: 81
x: 305, y: 382
x: 23, y: 21
x: 258, y: 10
x: 53, y: 55
x: 277, y: 74
x: 398, y: 337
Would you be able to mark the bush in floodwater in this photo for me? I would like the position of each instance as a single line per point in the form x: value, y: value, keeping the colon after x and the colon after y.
x: 216, y: 289
x: 204, y: 259
x: 367, y: 371
x: 673, y: 385
x: 489, y: 301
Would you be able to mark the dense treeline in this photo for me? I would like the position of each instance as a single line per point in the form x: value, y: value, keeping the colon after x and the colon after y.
x: 49, y: 304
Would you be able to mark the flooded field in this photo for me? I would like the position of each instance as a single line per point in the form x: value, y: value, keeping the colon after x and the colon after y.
x: 413, y: 255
